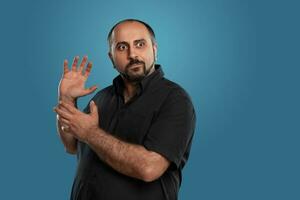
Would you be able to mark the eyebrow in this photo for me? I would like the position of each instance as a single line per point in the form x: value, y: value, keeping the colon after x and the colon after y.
x: 135, y: 42
x: 140, y: 40
x: 123, y: 42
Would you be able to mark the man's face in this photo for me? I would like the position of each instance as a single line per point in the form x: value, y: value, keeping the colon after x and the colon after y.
x: 132, y: 51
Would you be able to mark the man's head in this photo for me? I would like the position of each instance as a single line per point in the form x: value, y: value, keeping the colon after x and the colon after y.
x: 132, y: 49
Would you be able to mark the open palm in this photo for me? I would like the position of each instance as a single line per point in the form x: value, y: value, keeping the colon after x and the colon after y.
x: 72, y: 83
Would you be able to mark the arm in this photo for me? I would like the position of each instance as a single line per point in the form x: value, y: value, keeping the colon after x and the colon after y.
x: 68, y: 140
x: 129, y: 159
x: 72, y: 86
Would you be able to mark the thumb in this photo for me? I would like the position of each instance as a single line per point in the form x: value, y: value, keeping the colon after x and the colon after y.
x: 92, y: 89
x: 89, y: 90
x: 93, y: 108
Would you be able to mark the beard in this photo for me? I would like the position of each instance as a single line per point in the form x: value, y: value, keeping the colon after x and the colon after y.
x: 138, y: 73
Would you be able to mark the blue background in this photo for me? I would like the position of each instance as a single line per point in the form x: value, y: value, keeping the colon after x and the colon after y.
x: 239, y: 61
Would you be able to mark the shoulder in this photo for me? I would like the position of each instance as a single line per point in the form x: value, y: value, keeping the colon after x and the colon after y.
x: 176, y: 91
x: 176, y: 101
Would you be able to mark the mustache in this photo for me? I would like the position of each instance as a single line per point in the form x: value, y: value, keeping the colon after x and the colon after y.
x: 134, y: 62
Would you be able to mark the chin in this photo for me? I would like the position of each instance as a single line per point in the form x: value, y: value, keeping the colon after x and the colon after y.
x: 136, y: 78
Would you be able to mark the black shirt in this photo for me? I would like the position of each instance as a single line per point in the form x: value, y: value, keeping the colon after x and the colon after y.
x: 160, y: 117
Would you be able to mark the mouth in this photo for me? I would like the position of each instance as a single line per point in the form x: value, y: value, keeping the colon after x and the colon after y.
x: 135, y: 66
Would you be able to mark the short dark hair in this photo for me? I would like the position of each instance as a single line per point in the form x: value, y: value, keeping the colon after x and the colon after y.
x: 150, y: 30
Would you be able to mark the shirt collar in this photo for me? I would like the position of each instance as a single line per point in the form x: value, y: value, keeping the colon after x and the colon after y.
x: 118, y: 82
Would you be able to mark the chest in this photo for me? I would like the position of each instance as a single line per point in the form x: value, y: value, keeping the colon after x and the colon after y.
x: 132, y: 121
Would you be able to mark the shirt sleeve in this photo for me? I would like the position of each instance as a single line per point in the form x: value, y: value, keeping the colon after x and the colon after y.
x: 171, y: 132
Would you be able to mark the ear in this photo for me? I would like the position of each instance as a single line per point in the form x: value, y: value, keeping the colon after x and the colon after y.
x: 155, y: 51
x: 111, y: 58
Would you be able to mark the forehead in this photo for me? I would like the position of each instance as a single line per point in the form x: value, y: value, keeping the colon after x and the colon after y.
x: 130, y: 31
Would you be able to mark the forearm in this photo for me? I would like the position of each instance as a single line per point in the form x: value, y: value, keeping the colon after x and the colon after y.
x: 68, y: 140
x: 129, y: 159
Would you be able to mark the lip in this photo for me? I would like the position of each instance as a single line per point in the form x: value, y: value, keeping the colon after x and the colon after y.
x: 135, y: 66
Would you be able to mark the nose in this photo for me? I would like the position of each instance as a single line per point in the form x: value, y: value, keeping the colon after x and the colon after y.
x: 132, y: 53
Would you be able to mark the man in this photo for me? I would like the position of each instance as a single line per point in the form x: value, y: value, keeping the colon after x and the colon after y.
x: 134, y: 138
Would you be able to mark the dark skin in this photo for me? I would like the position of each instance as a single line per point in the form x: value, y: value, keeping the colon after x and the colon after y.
x: 73, y: 125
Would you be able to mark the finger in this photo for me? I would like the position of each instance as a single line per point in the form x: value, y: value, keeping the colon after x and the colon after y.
x: 66, y: 69
x: 65, y: 128
x: 64, y: 121
x: 90, y: 90
x: 75, y: 62
x: 88, y: 69
x: 62, y: 113
x: 83, y: 63
x: 68, y: 107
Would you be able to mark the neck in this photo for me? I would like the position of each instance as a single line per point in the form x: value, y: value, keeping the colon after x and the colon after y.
x: 129, y: 89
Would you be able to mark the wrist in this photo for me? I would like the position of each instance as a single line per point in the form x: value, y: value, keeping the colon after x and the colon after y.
x: 67, y: 99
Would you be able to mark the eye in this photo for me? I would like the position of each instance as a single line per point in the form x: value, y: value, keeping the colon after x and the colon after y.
x: 121, y: 47
x: 140, y: 44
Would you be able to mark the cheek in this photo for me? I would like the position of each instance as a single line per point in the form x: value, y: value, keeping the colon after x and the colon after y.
x: 119, y: 58
x: 120, y: 61
x: 150, y: 57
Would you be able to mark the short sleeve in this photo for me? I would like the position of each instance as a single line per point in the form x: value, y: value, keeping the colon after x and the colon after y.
x: 172, y: 130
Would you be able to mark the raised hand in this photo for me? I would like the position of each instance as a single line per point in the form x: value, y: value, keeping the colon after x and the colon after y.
x: 72, y: 83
